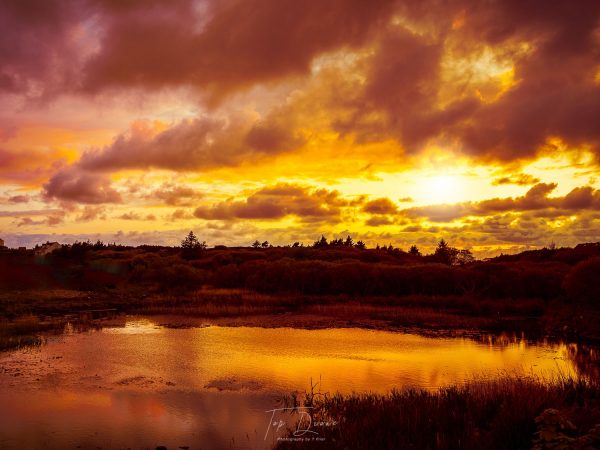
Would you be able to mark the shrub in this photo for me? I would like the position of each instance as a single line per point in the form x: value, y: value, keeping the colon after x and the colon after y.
x: 581, y: 284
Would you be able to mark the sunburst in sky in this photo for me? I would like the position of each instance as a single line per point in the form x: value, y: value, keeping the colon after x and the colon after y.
x: 394, y: 121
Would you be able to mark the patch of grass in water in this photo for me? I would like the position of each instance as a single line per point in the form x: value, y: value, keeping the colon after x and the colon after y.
x: 24, y: 332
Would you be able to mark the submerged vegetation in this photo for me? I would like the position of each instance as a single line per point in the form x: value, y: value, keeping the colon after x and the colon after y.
x: 510, y: 413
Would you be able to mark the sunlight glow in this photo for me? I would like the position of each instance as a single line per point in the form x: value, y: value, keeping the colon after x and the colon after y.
x: 441, y: 189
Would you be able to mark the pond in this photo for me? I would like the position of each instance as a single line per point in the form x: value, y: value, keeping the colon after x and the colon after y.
x: 141, y: 385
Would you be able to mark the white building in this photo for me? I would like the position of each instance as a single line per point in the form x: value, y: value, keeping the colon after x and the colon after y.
x: 47, y: 248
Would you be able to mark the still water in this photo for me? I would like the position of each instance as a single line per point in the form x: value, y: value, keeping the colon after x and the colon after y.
x: 141, y: 385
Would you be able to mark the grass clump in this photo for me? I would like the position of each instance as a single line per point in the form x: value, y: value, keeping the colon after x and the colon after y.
x: 21, y: 332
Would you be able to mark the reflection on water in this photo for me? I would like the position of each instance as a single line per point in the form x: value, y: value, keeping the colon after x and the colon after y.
x: 144, y: 385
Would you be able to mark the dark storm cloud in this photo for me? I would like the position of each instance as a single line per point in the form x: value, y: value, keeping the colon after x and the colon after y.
x: 556, y: 95
x: 222, y: 47
x: 240, y: 44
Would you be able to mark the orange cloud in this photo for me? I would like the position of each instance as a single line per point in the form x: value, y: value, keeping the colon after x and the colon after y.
x: 276, y: 202
x: 536, y: 199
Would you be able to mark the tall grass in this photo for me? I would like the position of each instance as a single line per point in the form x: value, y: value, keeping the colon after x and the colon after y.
x: 483, y: 414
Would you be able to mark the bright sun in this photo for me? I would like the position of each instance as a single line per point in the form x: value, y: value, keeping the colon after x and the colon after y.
x: 441, y: 189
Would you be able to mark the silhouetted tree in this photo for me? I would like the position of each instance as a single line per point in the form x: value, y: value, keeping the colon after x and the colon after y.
x: 296, y: 244
x: 256, y: 244
x: 265, y: 244
x: 191, y: 247
x: 414, y: 251
x: 360, y: 245
x: 99, y: 245
x: 321, y: 243
x: 463, y: 257
x: 190, y: 241
x: 444, y: 253
x: 348, y: 242
x: 337, y: 242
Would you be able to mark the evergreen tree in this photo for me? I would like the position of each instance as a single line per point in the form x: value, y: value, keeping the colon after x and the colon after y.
x: 414, y: 251
x: 191, y: 247
x: 360, y: 245
x: 321, y: 243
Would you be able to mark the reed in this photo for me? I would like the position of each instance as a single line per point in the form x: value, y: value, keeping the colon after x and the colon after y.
x: 480, y: 414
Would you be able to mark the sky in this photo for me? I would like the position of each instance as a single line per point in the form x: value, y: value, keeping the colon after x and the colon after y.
x: 397, y: 122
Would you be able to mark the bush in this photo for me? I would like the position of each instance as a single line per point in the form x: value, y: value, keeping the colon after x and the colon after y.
x: 582, y: 284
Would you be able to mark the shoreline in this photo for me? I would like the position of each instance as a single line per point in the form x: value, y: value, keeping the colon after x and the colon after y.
x: 28, y: 328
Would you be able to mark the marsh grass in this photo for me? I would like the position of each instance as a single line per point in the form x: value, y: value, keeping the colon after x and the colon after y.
x: 21, y: 332
x: 480, y: 414
x: 30, y: 331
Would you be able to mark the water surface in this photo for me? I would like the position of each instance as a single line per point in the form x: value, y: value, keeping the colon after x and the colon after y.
x: 143, y: 385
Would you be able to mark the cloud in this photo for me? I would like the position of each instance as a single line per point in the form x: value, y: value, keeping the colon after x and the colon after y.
x: 552, y: 53
x: 192, y: 144
x: 521, y: 179
x: 19, y: 199
x: 37, y: 38
x: 380, y: 206
x: 15, y: 199
x: 416, y: 77
x: 131, y: 215
x: 217, y: 46
x: 181, y: 214
x: 50, y: 221
x: 378, y: 220
x: 30, y: 212
x: 90, y: 212
x: 240, y: 44
x: 74, y: 184
x: 276, y: 202
x: 175, y: 195
x: 536, y: 199
x: 54, y: 220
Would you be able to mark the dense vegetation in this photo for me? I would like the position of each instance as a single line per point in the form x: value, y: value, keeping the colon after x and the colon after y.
x: 566, y: 273
x: 556, y: 288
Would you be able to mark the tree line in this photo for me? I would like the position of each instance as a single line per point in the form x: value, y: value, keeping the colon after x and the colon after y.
x: 192, y: 248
